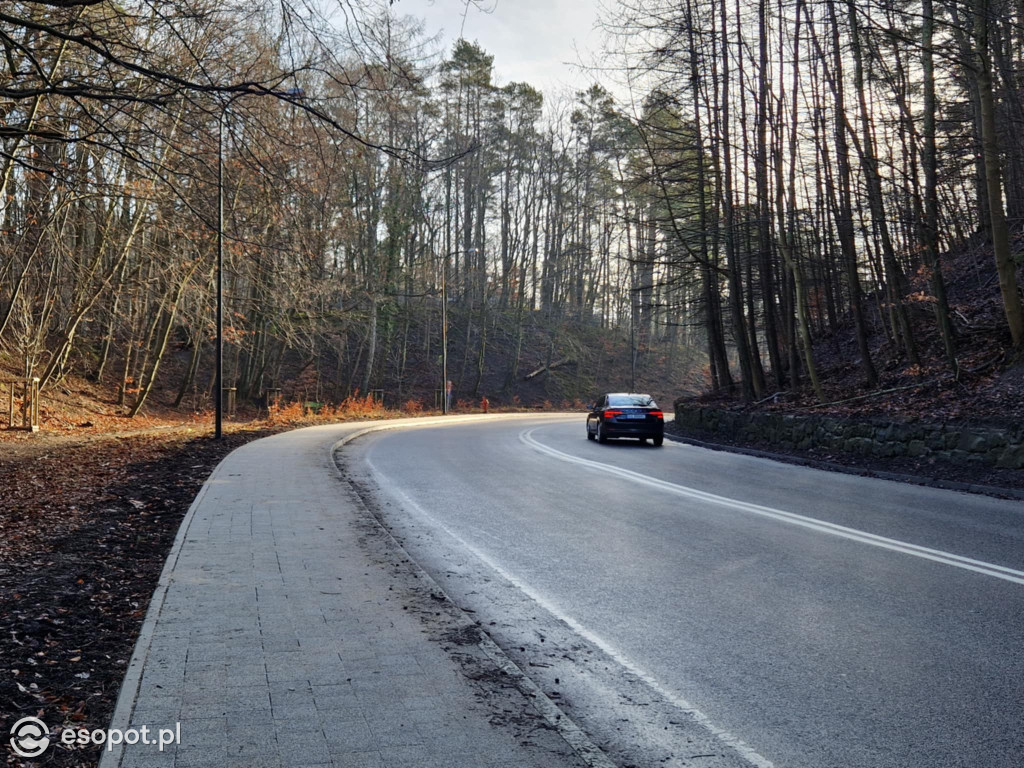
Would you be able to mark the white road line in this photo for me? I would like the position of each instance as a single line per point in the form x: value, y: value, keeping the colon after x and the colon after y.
x: 938, y: 556
x: 725, y: 737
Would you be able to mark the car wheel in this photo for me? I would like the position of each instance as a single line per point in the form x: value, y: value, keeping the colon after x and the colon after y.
x: 590, y: 435
x: 658, y: 440
x: 601, y: 436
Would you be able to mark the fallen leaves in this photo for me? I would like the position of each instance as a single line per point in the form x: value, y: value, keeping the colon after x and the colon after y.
x: 85, y: 526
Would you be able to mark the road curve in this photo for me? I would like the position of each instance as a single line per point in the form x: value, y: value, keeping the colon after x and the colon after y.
x: 808, y: 619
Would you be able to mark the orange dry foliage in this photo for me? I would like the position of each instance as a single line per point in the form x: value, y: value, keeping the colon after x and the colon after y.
x: 364, y: 406
x: 353, y: 407
x: 285, y: 414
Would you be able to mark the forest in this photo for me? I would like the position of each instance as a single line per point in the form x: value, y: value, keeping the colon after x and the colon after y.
x: 740, y: 182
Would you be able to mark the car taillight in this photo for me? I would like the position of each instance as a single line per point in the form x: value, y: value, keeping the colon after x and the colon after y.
x: 611, y: 414
x: 657, y: 414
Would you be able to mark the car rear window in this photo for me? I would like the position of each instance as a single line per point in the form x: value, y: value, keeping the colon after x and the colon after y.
x: 636, y: 401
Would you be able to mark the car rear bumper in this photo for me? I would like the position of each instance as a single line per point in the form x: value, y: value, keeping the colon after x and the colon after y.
x: 634, y: 430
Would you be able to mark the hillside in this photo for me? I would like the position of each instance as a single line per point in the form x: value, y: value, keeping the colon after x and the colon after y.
x: 986, y: 393
x: 988, y: 388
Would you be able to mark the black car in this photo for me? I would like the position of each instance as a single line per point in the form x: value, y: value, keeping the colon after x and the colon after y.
x: 626, y: 414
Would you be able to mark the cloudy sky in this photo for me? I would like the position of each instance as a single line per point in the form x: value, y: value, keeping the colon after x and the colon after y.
x: 531, y: 40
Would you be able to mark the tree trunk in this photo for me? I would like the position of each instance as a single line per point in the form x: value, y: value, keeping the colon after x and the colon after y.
x: 844, y: 218
x: 764, y: 223
x: 747, y: 383
x: 894, y: 277
x: 1005, y: 266
x: 785, y: 244
x: 930, y: 223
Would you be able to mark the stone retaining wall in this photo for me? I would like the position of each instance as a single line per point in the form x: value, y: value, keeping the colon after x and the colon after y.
x: 951, y: 442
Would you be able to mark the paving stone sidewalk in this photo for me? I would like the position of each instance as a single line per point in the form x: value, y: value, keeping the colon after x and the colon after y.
x: 278, y: 639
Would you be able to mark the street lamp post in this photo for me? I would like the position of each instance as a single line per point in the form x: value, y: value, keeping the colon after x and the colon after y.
x: 219, y: 376
x: 633, y: 309
x: 444, y: 336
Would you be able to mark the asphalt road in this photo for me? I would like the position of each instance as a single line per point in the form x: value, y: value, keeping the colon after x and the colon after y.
x: 799, y: 618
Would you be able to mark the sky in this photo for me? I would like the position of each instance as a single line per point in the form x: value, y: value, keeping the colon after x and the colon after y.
x: 531, y: 40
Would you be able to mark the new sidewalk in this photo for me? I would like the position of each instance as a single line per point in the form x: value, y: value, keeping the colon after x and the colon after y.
x: 287, y: 632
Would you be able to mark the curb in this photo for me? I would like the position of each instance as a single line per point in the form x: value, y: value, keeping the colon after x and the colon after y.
x: 566, y: 727
x: 432, y: 421
x: 129, y: 690
x: 133, y: 675
x: 830, y: 466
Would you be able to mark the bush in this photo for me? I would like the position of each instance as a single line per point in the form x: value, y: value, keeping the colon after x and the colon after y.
x: 354, y: 407
x: 360, y: 407
x: 285, y: 414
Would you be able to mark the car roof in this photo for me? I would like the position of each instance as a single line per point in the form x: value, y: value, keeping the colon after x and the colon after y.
x: 627, y: 394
